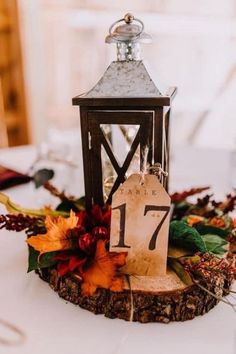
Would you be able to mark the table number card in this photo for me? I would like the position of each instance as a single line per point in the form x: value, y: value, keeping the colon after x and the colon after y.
x: 140, y: 225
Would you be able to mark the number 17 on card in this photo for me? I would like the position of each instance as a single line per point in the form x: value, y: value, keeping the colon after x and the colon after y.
x: 140, y: 225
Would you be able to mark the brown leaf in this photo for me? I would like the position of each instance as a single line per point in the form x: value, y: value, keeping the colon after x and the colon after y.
x: 103, y: 271
x: 228, y: 204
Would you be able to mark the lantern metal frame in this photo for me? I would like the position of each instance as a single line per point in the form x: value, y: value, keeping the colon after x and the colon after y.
x: 152, y: 114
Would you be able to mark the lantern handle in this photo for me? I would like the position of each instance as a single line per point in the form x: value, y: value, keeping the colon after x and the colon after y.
x: 128, y: 19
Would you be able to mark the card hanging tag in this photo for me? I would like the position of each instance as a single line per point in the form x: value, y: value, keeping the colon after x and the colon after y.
x: 140, y: 225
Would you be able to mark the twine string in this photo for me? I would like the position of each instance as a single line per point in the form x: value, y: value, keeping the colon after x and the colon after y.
x: 20, y: 335
x: 145, y: 169
x: 157, y: 170
x: 145, y: 165
x: 131, y: 317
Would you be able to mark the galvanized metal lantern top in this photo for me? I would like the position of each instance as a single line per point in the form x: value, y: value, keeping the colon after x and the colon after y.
x: 127, y: 76
x: 126, y: 79
x: 127, y: 37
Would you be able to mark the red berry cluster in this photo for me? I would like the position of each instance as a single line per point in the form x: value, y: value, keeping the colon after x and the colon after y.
x: 93, y: 226
x: 20, y: 222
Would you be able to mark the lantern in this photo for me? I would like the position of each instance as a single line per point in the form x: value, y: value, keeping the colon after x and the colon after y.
x: 127, y: 99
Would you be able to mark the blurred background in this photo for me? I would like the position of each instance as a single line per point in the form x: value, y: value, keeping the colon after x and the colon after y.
x: 52, y: 50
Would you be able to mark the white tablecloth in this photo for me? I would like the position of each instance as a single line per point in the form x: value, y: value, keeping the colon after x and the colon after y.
x: 53, y: 326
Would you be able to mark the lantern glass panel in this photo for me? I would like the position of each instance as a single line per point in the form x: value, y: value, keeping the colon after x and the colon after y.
x: 107, y: 131
x: 109, y: 174
x: 119, y: 140
x: 134, y: 166
x: 121, y: 137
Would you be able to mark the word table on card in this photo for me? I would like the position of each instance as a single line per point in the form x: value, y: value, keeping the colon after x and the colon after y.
x: 140, y: 224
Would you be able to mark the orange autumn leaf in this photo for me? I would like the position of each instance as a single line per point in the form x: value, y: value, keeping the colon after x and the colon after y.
x: 217, y: 221
x: 57, y: 237
x: 194, y: 219
x: 234, y: 223
x: 103, y: 271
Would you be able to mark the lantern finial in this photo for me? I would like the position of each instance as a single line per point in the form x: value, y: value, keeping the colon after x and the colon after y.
x: 128, y: 18
x: 128, y: 37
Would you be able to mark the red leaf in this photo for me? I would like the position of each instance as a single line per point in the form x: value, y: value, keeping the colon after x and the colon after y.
x: 179, y: 197
x: 69, y: 263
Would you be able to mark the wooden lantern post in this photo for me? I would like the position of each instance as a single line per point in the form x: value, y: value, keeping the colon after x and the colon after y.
x: 125, y: 95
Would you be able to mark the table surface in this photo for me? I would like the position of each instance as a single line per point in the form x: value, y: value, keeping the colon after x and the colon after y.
x: 52, y: 325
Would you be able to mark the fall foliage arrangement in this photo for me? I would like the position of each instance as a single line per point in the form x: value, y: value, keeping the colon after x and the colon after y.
x: 70, y: 245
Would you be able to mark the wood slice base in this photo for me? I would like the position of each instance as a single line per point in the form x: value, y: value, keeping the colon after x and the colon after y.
x: 161, y: 304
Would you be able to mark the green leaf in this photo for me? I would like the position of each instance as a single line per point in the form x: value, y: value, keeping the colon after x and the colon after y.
x: 32, y: 259
x: 182, y: 206
x: 42, y: 176
x: 80, y: 203
x: 68, y: 204
x: 177, y: 267
x: 204, y: 229
x: 44, y: 261
x: 215, y: 244
x: 182, y: 235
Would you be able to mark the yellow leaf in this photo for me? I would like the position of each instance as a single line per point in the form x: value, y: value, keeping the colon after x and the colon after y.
x: 57, y: 237
x: 17, y: 209
x: 103, y: 271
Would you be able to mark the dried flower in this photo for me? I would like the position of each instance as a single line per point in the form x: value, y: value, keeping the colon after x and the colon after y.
x: 20, y: 222
x: 100, y: 216
x: 209, y: 267
x: 227, y: 205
